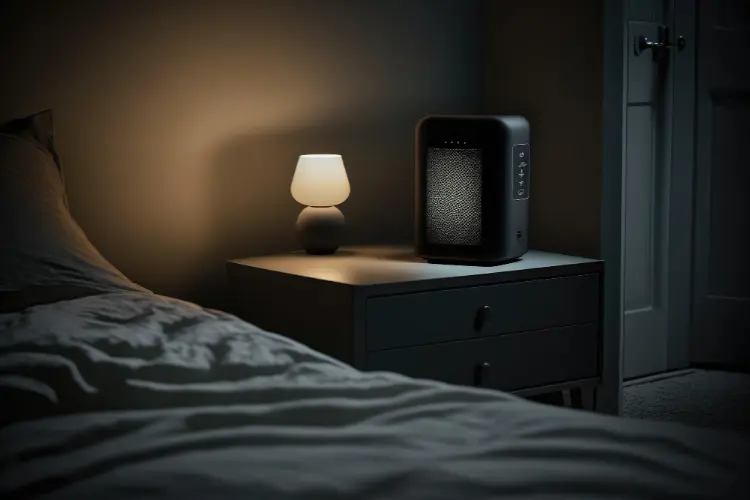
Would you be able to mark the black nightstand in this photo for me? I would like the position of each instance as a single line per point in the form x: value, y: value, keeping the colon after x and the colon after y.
x: 527, y: 327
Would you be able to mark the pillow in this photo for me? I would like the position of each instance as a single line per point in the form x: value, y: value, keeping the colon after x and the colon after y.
x: 44, y: 253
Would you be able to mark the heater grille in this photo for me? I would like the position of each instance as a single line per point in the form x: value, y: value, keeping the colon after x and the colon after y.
x: 453, y: 211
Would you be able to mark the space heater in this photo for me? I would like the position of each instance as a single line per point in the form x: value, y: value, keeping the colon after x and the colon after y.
x: 472, y: 188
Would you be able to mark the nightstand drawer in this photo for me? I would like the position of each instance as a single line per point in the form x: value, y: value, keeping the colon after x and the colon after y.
x: 508, y: 362
x: 483, y: 311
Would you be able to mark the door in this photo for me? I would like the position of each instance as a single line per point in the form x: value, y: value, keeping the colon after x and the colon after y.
x: 720, y: 321
x: 646, y: 186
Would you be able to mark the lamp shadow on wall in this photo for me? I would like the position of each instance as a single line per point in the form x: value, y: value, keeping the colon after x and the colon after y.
x: 251, y: 208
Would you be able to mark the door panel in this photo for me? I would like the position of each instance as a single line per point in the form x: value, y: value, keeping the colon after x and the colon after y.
x: 639, y: 208
x: 728, y: 263
x: 646, y: 10
x: 646, y: 188
x: 682, y: 185
x: 720, y: 329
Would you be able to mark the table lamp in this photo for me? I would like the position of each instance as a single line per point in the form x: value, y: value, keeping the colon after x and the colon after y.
x: 320, y: 182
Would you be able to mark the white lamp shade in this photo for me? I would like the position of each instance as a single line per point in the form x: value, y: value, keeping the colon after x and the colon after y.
x: 320, y: 180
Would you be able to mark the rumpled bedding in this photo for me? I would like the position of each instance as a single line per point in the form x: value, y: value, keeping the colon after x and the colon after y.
x: 131, y: 395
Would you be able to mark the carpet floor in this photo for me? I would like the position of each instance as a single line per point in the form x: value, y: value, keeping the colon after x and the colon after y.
x: 703, y: 398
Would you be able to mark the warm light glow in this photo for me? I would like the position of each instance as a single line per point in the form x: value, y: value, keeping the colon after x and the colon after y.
x: 320, y: 180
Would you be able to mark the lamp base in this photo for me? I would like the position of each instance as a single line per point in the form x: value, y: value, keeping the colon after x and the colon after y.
x: 320, y: 229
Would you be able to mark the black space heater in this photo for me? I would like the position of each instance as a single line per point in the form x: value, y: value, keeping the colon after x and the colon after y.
x: 472, y: 188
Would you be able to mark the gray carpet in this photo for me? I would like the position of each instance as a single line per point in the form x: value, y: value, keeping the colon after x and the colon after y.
x: 702, y: 398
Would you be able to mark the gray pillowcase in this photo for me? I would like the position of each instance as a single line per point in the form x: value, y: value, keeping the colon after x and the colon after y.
x: 42, y: 248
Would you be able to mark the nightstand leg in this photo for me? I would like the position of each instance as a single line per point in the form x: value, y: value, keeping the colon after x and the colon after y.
x: 582, y: 398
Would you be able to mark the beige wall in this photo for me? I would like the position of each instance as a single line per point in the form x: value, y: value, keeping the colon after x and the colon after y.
x: 544, y: 60
x: 179, y: 122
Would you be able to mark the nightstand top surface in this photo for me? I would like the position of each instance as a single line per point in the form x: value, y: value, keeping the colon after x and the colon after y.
x: 379, y: 265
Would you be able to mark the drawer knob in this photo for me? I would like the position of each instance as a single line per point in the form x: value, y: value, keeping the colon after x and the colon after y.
x: 483, y: 316
x: 482, y: 374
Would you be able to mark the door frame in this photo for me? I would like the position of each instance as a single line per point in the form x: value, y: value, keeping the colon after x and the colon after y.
x: 615, y: 47
x: 609, y: 398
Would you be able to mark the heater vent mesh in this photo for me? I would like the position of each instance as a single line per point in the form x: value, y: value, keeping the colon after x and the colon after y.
x: 453, y: 211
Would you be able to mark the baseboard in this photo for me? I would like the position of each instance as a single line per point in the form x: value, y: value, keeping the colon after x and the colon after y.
x: 722, y: 367
x: 658, y: 376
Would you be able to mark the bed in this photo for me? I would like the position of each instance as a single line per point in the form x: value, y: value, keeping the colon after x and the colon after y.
x: 112, y: 391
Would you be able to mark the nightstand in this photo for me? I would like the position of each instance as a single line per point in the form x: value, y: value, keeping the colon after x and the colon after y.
x: 529, y: 327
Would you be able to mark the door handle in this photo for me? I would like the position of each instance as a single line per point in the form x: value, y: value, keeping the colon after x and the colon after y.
x: 641, y: 44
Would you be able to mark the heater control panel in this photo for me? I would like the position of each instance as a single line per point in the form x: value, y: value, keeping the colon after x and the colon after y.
x: 521, y: 171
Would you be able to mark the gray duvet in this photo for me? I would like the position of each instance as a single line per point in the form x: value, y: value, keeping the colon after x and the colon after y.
x: 129, y: 395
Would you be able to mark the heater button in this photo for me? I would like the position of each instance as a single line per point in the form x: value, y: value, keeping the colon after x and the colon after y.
x: 520, y: 153
x: 521, y: 168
